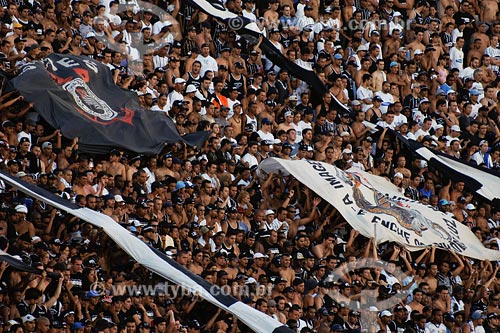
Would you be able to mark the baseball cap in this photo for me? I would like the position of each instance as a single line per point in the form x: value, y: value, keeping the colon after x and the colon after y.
x: 21, y: 209
x: 478, y: 314
x: 455, y: 128
x: 443, y: 202
x: 28, y: 318
x: 190, y: 88
x: 266, y: 121
x: 424, y: 100
x: 385, y: 313
x: 362, y: 47
x: 470, y: 206
x: 259, y: 255
x: 337, y: 328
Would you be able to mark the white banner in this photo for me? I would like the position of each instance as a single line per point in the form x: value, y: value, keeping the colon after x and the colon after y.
x: 374, y: 207
x: 154, y: 260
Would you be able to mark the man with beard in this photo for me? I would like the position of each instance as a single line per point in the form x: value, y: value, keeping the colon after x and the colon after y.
x: 401, y: 318
x: 179, y: 216
x: 352, y: 324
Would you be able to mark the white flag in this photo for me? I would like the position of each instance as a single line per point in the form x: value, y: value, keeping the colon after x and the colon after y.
x: 374, y: 207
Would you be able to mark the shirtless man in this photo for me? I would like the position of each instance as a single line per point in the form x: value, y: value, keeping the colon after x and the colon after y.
x: 287, y: 124
x: 236, y: 120
x: 401, y: 167
x: 417, y: 44
x: 379, y: 76
x: 489, y: 9
x: 286, y: 272
x: 394, y: 77
x: 447, y: 17
x: 166, y: 169
x: 428, y: 60
x: 79, y: 185
x: 236, y: 57
x: 431, y: 277
x: 410, y: 69
x: 114, y: 166
x: 365, y: 67
x: 393, y: 44
x: 481, y: 34
x: 49, y: 20
x: 416, y: 303
x: 476, y: 50
x: 457, y: 191
x: 271, y: 16
x: 443, y: 300
x: 196, y: 265
x: 22, y: 226
x: 358, y: 128
x: 224, y: 57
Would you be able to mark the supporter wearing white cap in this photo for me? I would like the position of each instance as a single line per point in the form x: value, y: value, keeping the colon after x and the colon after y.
x: 177, y: 93
x: 482, y: 157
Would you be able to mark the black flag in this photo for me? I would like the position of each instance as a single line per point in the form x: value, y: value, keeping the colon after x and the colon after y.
x: 78, y: 95
x: 482, y: 181
x: 247, y: 28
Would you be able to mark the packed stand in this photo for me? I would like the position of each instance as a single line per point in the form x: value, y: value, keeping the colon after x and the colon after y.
x: 428, y: 70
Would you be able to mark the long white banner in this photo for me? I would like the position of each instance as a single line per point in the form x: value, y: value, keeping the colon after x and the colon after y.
x: 375, y: 208
x: 154, y: 260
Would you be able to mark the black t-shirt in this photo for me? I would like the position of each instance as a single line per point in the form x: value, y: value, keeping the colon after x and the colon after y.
x: 141, y: 190
x: 466, y: 18
x: 32, y: 161
x: 124, y: 316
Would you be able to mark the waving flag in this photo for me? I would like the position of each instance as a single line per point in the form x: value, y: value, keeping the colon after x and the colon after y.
x: 78, y: 95
x: 249, y: 30
x: 483, y: 182
x: 154, y: 260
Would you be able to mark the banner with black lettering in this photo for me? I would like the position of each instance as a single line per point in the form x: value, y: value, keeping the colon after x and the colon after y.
x: 375, y: 207
x: 154, y: 260
x: 78, y: 96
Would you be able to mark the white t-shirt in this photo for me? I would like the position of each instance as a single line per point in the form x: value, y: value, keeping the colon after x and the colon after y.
x: 265, y: 136
x: 252, y: 160
x: 387, y: 99
x: 399, y: 119
x: 457, y: 59
x: 207, y: 63
x: 364, y: 93
x: 249, y: 15
x: 432, y: 328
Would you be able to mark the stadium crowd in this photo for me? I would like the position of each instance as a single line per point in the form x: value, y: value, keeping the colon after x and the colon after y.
x: 426, y: 69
